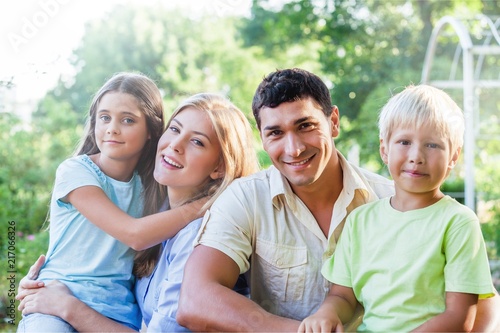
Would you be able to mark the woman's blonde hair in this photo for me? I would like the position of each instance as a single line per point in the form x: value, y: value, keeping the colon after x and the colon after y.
x: 420, y: 106
x: 238, y: 156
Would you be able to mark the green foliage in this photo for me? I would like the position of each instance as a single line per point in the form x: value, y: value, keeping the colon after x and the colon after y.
x: 24, y: 189
x: 27, y: 249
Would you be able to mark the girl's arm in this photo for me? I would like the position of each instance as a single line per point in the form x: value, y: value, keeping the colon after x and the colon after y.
x: 337, y: 308
x: 458, y: 317
x: 56, y: 299
x: 138, y: 233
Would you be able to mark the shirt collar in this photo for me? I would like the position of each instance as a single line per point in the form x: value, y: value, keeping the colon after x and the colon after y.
x: 281, y: 190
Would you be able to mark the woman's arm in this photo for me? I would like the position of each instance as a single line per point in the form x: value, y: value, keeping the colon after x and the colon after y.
x: 56, y: 299
x: 138, y: 233
x: 457, y: 317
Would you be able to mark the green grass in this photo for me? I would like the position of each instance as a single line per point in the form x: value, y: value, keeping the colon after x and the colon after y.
x: 26, y: 248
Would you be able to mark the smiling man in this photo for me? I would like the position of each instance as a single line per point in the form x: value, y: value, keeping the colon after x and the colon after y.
x: 278, y: 225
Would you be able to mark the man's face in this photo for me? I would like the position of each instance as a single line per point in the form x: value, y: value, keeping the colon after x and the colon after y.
x: 298, y: 138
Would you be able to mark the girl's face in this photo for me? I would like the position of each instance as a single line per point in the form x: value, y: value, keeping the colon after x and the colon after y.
x: 188, y: 155
x: 121, y: 130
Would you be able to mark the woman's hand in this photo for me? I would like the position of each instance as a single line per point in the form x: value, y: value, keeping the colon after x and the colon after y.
x: 51, y: 299
x: 29, y: 284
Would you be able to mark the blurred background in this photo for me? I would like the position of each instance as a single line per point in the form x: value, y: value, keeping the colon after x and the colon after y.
x: 55, y: 54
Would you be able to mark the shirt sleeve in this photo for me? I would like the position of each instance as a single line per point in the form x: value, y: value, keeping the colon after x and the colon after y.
x: 337, y: 269
x: 72, y: 174
x: 467, y: 267
x: 176, y: 253
x: 227, y: 226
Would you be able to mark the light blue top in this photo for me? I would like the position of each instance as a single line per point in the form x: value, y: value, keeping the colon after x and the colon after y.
x: 96, y: 267
x: 158, y: 294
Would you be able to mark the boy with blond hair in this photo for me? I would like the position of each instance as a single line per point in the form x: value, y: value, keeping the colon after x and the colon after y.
x: 416, y: 260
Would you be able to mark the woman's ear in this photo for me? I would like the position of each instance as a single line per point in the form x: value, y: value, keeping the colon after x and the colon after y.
x: 218, y: 172
x: 383, y: 151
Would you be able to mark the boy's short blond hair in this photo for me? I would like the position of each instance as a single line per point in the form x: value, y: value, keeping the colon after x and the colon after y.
x: 423, y: 105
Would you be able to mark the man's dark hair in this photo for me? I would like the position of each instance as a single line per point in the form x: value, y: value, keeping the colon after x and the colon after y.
x: 289, y: 85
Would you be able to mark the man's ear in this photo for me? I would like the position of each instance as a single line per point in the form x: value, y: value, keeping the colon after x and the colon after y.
x: 383, y: 151
x: 335, y: 121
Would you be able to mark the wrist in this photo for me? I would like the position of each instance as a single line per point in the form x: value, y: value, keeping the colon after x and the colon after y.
x: 69, y: 307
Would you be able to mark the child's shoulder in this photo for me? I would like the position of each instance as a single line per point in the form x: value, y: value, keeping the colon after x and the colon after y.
x: 369, y: 207
x: 79, y: 163
x: 452, y: 207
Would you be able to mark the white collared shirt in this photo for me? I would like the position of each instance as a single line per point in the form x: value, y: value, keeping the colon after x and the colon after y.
x: 268, y: 231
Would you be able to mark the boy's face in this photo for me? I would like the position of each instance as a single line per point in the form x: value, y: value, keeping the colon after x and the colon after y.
x: 298, y: 138
x: 419, y: 160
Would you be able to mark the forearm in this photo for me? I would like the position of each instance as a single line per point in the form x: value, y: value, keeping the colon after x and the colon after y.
x: 218, y: 308
x: 154, y: 229
x: 85, y: 319
x: 138, y: 233
x: 458, y: 315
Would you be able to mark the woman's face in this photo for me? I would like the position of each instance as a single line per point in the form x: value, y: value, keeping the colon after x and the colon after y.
x: 188, y: 155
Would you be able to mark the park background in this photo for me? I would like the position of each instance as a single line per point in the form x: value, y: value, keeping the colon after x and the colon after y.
x: 56, y: 54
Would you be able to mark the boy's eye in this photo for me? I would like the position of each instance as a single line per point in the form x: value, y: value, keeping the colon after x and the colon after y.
x: 404, y: 142
x: 433, y: 145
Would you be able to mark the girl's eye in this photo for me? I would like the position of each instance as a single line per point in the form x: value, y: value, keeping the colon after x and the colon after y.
x: 173, y: 129
x: 128, y: 121
x: 105, y: 118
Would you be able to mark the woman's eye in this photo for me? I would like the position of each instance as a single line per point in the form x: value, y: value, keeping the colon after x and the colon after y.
x: 198, y: 143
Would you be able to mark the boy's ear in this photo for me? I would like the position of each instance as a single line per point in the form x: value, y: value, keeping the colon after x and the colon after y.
x: 383, y: 151
x: 454, y: 158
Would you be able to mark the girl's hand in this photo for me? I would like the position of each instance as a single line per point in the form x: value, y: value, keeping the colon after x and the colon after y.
x: 29, y: 284
x: 50, y: 299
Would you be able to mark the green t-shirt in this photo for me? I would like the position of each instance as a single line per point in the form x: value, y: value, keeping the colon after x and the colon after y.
x: 401, y: 264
